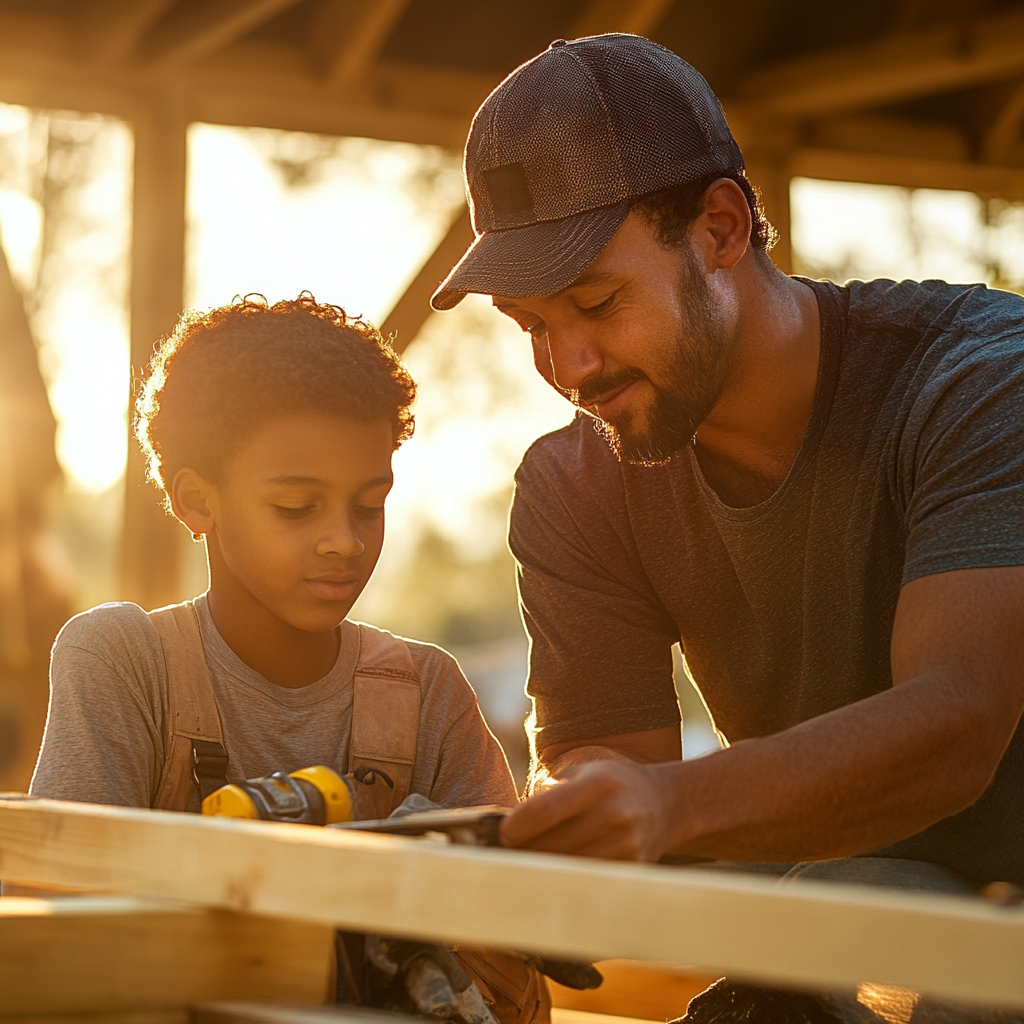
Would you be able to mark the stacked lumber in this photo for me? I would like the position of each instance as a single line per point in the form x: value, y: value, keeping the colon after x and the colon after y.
x: 259, y: 900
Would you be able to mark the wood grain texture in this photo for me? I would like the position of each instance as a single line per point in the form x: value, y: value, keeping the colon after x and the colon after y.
x: 811, y: 934
x: 104, y: 954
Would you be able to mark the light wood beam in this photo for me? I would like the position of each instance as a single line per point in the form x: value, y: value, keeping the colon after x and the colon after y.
x: 199, y: 30
x: 1006, y: 182
x: 361, y: 27
x: 1005, y: 129
x: 640, y: 17
x: 891, y: 68
x: 111, y: 29
x: 410, y: 312
x: 81, y: 954
x: 805, y: 933
x: 151, y: 540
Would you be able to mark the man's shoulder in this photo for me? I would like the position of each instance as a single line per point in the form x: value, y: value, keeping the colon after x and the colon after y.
x: 936, y: 307
x: 574, y: 456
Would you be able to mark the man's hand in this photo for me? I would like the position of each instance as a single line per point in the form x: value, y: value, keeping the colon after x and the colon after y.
x: 614, y: 809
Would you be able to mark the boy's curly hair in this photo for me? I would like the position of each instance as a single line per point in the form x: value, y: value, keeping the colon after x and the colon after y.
x: 218, y: 375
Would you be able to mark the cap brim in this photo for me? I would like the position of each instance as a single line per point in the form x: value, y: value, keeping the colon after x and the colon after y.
x: 534, y: 260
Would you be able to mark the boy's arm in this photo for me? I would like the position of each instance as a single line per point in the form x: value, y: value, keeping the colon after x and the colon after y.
x: 470, y: 765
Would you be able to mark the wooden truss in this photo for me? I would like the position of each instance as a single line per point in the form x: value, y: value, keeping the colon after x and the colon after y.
x: 805, y: 934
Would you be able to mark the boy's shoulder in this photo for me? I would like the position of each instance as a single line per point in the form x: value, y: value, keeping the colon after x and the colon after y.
x: 384, y: 646
x: 115, y: 627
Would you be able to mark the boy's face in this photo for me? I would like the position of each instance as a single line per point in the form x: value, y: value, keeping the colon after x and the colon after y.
x: 298, y: 518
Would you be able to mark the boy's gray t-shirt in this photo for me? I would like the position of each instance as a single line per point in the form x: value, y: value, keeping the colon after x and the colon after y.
x: 104, y: 740
x: 912, y: 464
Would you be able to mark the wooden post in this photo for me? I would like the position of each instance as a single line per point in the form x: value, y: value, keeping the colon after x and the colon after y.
x: 151, y: 540
x: 770, y: 171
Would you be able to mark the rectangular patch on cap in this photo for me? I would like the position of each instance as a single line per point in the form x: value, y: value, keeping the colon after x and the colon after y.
x: 509, y: 192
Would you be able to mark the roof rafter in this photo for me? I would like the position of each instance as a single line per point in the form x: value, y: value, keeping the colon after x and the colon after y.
x: 892, y: 68
x: 640, y: 17
x: 191, y: 33
x: 361, y: 27
x: 113, y: 28
x: 1005, y: 128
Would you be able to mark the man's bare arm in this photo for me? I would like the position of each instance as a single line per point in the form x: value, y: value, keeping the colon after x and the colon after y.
x: 844, y: 783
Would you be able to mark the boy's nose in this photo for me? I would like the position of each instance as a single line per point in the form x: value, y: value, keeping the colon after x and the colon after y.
x: 343, y: 539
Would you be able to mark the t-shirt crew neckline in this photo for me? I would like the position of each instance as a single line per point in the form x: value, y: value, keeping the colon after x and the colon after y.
x: 824, y: 392
x: 219, y: 654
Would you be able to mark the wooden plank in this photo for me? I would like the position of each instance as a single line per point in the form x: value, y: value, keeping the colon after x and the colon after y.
x: 115, y: 954
x: 809, y: 934
x: 640, y: 17
x: 346, y: 36
x: 631, y: 989
x: 260, y: 1013
x: 909, y: 172
x: 194, y: 31
x: 410, y: 312
x: 151, y: 541
x: 891, y: 68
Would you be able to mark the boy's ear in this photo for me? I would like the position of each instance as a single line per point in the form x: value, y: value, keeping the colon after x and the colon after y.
x: 190, y: 501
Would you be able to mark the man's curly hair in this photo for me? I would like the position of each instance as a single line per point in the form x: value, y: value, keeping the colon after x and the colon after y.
x: 220, y: 374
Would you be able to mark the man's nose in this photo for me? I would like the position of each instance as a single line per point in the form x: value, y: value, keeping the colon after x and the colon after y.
x: 574, y: 358
x: 342, y: 538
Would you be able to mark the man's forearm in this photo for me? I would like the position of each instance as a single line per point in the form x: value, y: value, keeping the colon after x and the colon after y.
x: 845, y: 783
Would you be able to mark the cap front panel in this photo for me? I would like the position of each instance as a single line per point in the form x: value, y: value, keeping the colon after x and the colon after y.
x: 548, y: 136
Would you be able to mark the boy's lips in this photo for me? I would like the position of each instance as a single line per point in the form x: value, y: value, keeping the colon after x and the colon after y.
x: 333, y: 586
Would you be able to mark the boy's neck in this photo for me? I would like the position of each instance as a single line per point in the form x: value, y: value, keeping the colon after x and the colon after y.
x: 282, y: 654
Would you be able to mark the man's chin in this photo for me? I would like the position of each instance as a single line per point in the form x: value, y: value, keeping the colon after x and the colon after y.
x: 634, y: 448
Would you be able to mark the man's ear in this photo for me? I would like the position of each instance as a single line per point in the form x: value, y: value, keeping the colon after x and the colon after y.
x: 190, y: 498
x: 723, y: 229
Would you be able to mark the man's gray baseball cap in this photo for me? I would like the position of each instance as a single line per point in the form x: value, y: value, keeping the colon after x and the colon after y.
x: 559, y: 150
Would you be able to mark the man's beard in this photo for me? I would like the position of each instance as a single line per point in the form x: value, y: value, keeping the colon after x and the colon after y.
x: 694, y: 377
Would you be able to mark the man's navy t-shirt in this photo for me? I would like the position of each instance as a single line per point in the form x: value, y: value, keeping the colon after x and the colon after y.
x: 912, y: 464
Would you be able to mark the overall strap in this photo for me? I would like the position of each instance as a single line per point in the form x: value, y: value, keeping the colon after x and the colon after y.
x: 385, y: 712
x: 193, y: 743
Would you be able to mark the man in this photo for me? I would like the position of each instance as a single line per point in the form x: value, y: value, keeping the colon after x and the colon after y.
x: 816, y: 490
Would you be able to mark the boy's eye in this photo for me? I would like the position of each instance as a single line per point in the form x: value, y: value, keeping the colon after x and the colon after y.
x: 369, y: 511
x: 289, y: 512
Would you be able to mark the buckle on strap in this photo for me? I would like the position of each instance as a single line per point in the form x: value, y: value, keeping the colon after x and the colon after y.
x: 209, y: 766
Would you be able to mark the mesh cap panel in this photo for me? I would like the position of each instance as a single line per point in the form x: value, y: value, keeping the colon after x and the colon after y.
x: 584, y: 127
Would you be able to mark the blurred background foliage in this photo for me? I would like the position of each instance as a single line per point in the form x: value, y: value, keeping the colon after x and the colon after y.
x: 352, y: 220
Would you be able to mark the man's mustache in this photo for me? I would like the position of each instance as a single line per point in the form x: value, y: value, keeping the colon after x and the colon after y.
x: 592, y: 389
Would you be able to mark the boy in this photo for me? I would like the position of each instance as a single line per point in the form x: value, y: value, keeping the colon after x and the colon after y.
x: 270, y: 431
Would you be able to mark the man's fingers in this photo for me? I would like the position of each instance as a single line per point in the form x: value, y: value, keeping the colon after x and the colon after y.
x: 547, y: 810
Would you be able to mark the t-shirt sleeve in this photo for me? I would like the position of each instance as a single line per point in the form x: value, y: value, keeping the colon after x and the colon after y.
x: 962, y: 453
x: 103, y: 741
x: 468, y: 766
x: 600, y: 640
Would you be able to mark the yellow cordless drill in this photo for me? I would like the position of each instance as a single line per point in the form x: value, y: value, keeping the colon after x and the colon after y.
x: 310, y: 796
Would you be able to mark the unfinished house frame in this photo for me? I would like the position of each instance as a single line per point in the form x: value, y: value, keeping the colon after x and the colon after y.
x: 900, y: 92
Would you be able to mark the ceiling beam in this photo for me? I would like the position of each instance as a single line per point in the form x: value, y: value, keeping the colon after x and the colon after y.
x: 908, y: 172
x: 640, y: 17
x: 193, y: 32
x: 892, y: 68
x: 111, y: 29
x: 1005, y: 129
x: 362, y: 27
x: 410, y: 312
